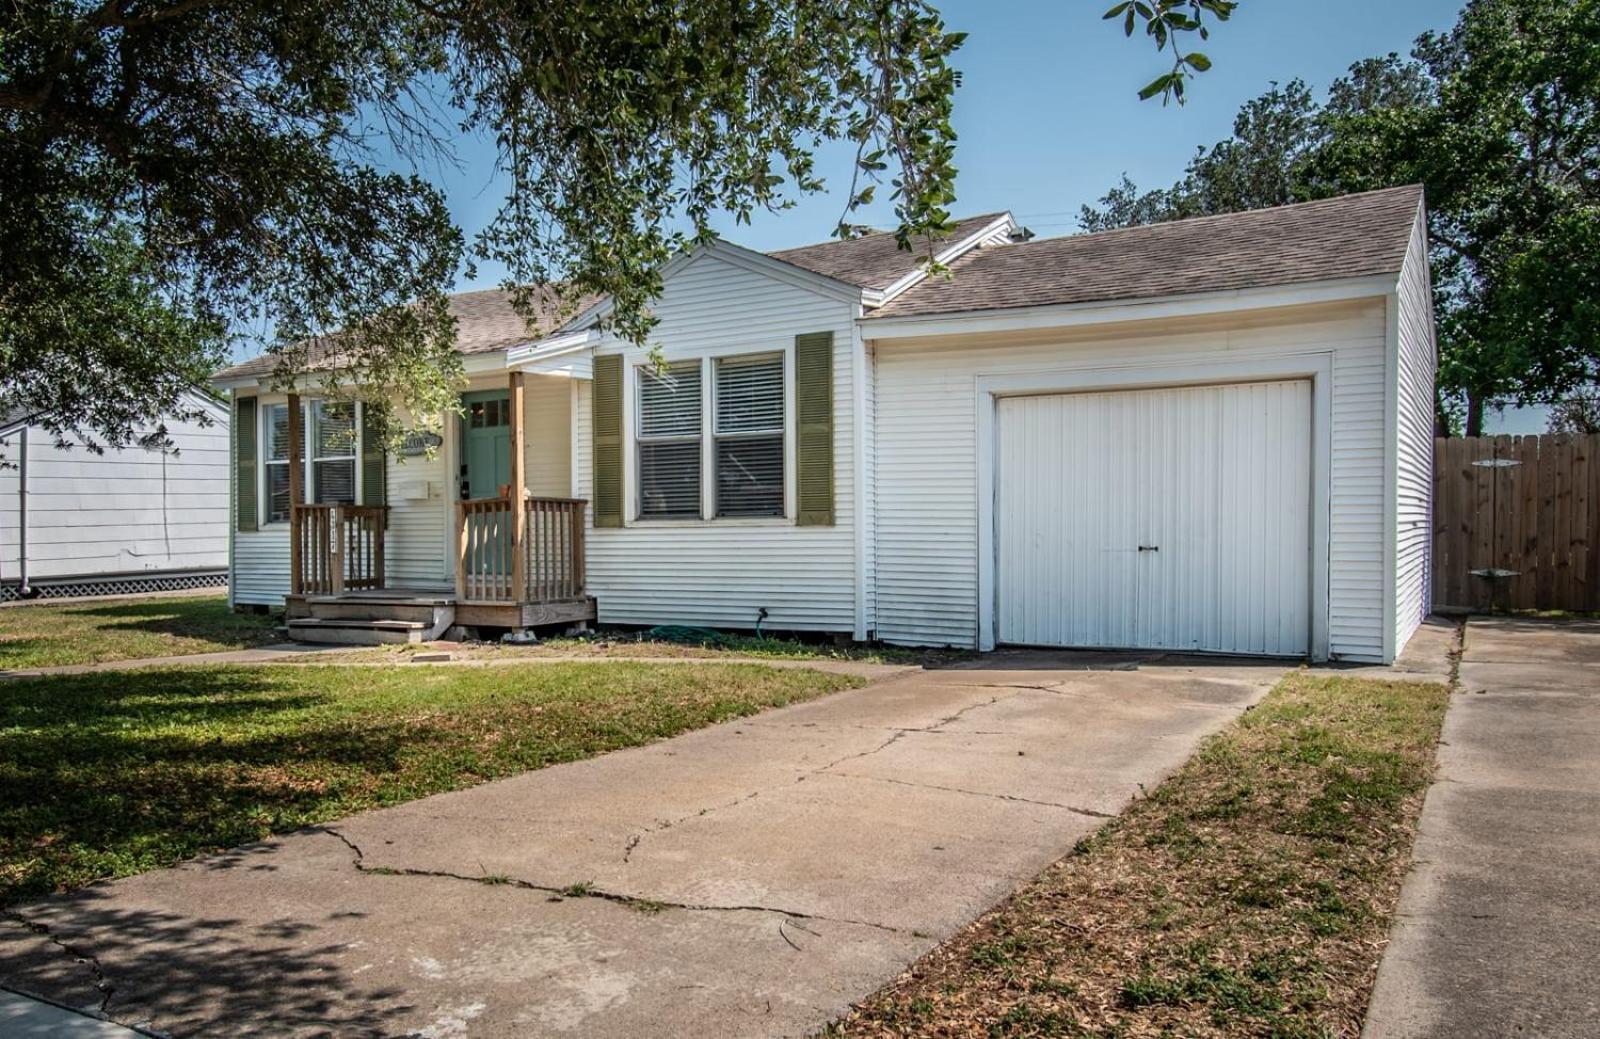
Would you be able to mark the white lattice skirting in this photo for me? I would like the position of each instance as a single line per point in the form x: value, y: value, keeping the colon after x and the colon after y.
x: 112, y: 585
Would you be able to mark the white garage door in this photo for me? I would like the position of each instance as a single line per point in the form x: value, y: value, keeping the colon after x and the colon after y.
x: 1165, y: 519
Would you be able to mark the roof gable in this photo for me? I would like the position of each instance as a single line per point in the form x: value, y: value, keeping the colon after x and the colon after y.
x: 876, y: 261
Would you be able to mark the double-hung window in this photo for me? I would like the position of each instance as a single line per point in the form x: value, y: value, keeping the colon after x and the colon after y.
x: 333, y: 457
x: 748, y: 435
x: 331, y: 435
x: 669, y: 442
x: 276, y: 461
x: 727, y: 451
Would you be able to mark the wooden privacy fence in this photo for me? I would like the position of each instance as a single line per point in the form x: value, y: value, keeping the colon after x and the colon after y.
x: 1516, y: 522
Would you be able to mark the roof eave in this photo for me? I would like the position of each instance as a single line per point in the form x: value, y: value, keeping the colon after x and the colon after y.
x: 1065, y: 315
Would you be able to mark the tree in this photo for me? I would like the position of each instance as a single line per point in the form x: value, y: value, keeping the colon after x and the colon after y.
x: 174, y: 171
x: 1498, y: 120
x: 1260, y: 165
x: 1577, y: 412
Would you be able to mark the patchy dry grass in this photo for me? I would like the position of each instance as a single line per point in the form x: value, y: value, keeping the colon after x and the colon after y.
x: 1249, y: 895
x: 634, y: 646
x: 48, y: 634
x: 113, y: 773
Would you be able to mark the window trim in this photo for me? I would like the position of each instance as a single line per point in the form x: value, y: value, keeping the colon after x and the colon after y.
x: 264, y: 406
x: 635, y: 363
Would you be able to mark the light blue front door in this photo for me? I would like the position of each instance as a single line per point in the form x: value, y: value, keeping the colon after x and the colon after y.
x: 485, y: 468
x: 485, y: 443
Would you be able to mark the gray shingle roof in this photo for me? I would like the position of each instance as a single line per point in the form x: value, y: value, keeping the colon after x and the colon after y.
x: 873, y: 261
x: 485, y: 321
x: 1345, y: 237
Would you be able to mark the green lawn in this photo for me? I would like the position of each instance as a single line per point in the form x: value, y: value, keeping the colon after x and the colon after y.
x: 1248, y: 895
x: 112, y: 773
x: 48, y: 635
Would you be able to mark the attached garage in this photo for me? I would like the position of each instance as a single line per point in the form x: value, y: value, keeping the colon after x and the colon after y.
x: 1209, y: 436
x: 1176, y: 518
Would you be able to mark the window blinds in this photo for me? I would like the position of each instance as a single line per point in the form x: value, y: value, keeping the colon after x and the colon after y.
x: 669, y: 442
x: 749, y: 436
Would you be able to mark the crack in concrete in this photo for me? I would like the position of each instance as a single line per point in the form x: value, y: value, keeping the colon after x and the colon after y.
x: 101, y: 984
x: 584, y: 890
x: 667, y: 824
x: 900, y: 734
x: 896, y: 734
x: 1092, y: 813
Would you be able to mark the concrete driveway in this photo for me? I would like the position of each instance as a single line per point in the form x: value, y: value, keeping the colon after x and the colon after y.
x: 1498, y: 931
x: 751, y: 879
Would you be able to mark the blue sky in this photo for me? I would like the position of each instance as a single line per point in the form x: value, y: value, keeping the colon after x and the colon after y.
x: 1048, y: 115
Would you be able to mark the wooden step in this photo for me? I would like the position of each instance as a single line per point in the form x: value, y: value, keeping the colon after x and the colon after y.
x: 357, y: 632
x: 330, y: 609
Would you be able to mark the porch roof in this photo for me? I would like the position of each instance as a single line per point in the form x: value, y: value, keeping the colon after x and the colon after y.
x: 485, y: 322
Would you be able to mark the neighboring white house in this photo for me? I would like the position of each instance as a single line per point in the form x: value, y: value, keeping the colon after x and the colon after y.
x: 1210, y: 435
x: 129, y: 520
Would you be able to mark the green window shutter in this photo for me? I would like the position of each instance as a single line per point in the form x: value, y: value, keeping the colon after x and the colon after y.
x: 608, y: 441
x: 813, y: 394
x: 374, y: 476
x: 244, y: 460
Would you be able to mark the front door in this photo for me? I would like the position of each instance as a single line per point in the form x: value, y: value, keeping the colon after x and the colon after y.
x: 485, y: 443
x: 485, y: 469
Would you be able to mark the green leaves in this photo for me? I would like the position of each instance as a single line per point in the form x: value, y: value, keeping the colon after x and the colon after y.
x: 1165, y: 22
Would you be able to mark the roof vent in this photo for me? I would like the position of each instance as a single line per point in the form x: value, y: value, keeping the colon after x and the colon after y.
x: 1021, y: 234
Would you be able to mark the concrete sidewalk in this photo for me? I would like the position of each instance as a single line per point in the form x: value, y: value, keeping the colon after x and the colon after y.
x: 750, y: 879
x: 1498, y: 932
x: 25, y: 1018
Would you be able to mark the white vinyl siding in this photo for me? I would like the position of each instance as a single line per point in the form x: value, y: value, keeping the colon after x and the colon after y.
x: 1416, y: 364
x: 721, y: 572
x: 129, y: 512
x: 926, y: 445
x: 1159, y: 519
x: 547, y: 431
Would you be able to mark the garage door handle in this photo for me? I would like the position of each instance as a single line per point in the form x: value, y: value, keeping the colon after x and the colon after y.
x: 1149, y: 548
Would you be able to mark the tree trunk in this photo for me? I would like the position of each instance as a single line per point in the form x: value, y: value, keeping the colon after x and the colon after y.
x: 1475, y: 404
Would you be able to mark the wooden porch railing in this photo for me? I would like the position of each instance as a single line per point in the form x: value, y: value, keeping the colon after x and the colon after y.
x: 553, y: 541
x: 336, y: 548
x: 484, y: 556
x: 549, y: 566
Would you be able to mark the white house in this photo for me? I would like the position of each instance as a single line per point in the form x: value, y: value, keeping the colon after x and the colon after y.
x: 130, y: 520
x: 1210, y: 435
